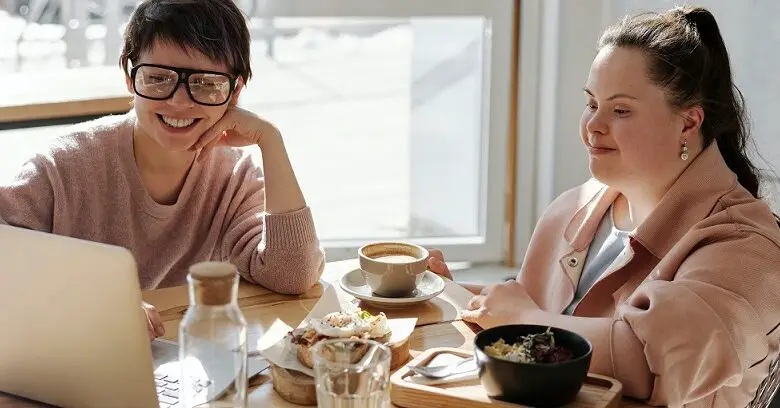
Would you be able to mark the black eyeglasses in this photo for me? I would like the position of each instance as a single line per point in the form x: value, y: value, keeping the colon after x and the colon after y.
x: 160, y: 82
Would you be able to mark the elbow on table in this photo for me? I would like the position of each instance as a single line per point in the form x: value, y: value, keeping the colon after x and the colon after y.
x: 293, y: 273
x: 306, y: 276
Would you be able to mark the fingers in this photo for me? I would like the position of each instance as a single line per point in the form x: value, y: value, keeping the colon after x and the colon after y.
x: 476, y: 302
x: 150, y: 329
x: 155, y: 326
x: 438, y: 267
x: 436, y: 264
x: 476, y: 310
x: 156, y: 320
x: 215, y: 132
x: 437, y: 254
x: 204, y: 151
x: 472, y: 316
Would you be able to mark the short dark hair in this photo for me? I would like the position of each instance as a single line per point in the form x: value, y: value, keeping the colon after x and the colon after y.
x: 216, y: 28
x: 687, y: 57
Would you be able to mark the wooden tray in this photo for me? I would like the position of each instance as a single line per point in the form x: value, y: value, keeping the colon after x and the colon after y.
x: 597, y: 391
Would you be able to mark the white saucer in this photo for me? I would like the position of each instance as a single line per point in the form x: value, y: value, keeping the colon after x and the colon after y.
x: 430, y: 286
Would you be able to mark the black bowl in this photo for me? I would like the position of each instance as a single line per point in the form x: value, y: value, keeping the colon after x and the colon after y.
x: 533, y: 384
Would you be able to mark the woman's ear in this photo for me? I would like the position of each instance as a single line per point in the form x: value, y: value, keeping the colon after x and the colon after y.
x: 129, y: 83
x: 237, y: 91
x: 692, y: 118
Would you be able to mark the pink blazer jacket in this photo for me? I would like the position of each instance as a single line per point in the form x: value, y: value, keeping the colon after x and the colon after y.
x: 689, y: 313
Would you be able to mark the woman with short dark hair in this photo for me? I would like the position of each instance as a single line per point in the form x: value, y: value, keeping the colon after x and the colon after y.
x: 168, y: 180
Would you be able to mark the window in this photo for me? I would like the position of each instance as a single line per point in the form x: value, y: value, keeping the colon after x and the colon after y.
x: 395, y: 112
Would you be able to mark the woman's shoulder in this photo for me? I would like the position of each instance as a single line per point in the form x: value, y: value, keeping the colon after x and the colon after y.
x: 741, y: 212
x: 79, y: 144
x: 574, y: 199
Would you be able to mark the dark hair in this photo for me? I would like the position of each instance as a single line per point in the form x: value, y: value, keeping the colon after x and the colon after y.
x: 216, y: 28
x: 688, y: 59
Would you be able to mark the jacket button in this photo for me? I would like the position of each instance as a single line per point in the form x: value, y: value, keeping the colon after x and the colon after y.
x: 573, y: 262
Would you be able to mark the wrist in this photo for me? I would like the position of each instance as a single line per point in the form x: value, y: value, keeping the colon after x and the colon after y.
x: 535, y: 316
x: 268, y: 136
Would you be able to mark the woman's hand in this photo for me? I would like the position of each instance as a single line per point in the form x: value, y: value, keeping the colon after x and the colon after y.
x: 238, y: 127
x: 436, y: 264
x: 154, y: 326
x: 498, y: 305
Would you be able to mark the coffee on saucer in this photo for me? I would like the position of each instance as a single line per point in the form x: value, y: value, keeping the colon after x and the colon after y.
x: 393, y: 269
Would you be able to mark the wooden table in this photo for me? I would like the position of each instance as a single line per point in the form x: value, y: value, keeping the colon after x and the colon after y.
x: 262, y: 307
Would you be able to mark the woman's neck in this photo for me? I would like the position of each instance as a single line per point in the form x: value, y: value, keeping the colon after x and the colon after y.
x: 632, y: 208
x: 163, y: 172
x: 638, y: 198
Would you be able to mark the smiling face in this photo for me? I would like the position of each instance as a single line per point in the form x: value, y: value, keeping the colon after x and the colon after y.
x: 177, y: 123
x: 633, y: 135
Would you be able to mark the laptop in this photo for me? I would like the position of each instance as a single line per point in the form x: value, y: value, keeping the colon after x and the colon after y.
x: 74, y: 334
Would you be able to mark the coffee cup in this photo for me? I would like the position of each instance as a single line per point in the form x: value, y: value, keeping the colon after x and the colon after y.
x: 393, y: 269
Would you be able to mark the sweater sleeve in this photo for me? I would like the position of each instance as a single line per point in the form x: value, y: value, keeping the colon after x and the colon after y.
x: 278, y: 251
x: 704, y: 329
x: 27, y: 198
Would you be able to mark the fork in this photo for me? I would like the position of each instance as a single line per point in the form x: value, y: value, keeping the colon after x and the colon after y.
x: 440, y: 371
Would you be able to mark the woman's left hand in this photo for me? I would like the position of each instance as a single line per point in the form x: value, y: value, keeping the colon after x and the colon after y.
x: 498, y: 305
x: 238, y: 127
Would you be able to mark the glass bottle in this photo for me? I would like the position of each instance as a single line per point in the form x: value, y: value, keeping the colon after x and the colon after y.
x: 213, y: 340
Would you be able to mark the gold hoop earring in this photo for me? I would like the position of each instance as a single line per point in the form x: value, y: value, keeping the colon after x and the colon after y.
x: 684, y: 154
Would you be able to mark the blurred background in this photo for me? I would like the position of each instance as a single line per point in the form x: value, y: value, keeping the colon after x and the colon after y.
x: 447, y: 122
x: 357, y: 98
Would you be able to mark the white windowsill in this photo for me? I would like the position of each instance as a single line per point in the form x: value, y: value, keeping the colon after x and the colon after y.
x: 481, y: 273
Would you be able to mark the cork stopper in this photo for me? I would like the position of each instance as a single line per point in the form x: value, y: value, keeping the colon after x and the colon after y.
x: 213, y: 283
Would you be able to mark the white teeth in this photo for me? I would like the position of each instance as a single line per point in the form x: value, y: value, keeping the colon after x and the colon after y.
x: 177, y: 123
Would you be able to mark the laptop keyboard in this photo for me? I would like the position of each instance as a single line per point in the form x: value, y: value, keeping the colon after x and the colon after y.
x: 168, y: 389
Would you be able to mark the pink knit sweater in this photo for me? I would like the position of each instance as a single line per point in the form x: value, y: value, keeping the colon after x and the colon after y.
x: 87, y: 186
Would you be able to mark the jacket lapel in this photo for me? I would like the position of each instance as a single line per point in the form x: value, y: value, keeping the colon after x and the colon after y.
x: 571, y: 264
x: 690, y: 199
x: 579, y: 232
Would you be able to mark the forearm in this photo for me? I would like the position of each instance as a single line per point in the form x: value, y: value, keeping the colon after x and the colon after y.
x: 282, y: 192
x: 289, y: 261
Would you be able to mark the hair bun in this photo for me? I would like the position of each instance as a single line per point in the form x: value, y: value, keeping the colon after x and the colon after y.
x: 699, y: 17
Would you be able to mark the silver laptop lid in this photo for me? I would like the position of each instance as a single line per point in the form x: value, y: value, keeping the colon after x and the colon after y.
x: 73, y: 332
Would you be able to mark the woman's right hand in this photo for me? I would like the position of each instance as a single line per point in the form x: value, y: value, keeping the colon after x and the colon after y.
x: 436, y: 264
x: 154, y: 326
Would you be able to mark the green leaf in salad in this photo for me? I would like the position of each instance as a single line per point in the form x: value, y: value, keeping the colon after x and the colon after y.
x: 364, y: 314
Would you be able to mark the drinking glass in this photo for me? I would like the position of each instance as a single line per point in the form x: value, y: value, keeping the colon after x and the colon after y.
x: 351, y: 373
